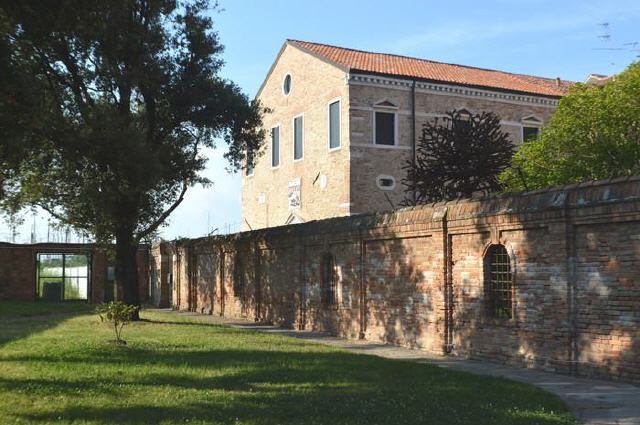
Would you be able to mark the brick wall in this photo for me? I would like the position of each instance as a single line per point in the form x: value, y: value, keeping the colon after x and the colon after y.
x: 417, y: 277
x: 160, y: 275
x: 369, y: 160
x: 343, y: 181
x: 265, y: 194
x: 17, y: 273
x: 18, y: 269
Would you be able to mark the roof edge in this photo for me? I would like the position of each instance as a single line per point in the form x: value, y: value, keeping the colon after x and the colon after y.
x: 517, y: 74
x: 273, y: 65
x: 451, y: 83
x: 294, y: 43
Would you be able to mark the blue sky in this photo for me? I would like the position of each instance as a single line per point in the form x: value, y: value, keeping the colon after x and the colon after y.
x: 558, y: 38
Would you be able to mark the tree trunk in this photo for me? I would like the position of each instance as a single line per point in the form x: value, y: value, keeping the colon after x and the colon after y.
x: 126, y: 268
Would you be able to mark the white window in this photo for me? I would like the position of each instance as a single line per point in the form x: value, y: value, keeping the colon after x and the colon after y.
x: 287, y: 85
x: 334, y: 125
x: 298, y: 137
x: 385, y: 124
x: 530, y: 128
x: 530, y: 133
x: 385, y: 128
x: 250, y: 164
x: 275, y: 147
x: 385, y: 182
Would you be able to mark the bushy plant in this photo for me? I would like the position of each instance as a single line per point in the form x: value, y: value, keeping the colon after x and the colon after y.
x: 457, y: 157
x: 119, y: 315
x: 593, y: 135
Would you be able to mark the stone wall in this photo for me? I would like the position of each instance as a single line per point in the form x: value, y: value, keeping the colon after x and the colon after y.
x: 418, y: 277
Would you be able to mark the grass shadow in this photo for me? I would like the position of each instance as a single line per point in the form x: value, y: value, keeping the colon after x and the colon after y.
x: 22, y: 319
x: 207, y: 373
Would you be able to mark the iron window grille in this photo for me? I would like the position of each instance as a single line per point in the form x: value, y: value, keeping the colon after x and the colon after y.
x: 499, y: 283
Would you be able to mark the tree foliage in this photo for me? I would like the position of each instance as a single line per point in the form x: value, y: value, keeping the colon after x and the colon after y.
x: 457, y: 157
x: 128, y: 96
x: 20, y: 96
x: 594, y: 134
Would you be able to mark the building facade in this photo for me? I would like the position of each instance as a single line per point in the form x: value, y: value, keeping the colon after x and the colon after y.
x: 344, y: 122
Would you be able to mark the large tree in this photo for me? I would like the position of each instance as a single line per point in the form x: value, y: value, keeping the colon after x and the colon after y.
x: 457, y: 156
x: 20, y: 97
x: 594, y: 134
x: 132, y: 95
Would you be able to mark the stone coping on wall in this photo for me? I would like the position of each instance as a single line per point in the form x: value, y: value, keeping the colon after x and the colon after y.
x: 62, y: 246
x: 50, y: 245
x: 567, y: 197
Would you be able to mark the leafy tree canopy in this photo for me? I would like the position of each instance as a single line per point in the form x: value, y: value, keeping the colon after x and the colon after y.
x: 594, y: 134
x: 128, y: 95
x: 457, y: 157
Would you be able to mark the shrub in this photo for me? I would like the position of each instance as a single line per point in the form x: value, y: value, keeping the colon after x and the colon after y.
x: 457, y: 157
x: 118, y: 314
x: 593, y: 135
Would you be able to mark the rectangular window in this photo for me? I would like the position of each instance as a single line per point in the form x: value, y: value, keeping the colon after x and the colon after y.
x: 529, y: 133
x: 250, y: 164
x: 385, y: 127
x: 298, y: 137
x: 275, y: 146
x: 63, y: 277
x: 334, y: 125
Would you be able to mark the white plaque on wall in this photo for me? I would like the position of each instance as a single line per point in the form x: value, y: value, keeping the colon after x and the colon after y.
x: 294, y: 194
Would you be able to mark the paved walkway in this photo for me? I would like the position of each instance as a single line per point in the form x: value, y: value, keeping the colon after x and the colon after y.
x: 594, y: 402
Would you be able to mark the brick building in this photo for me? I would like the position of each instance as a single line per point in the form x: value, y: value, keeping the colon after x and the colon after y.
x: 343, y: 123
x: 58, y: 272
x: 547, y: 279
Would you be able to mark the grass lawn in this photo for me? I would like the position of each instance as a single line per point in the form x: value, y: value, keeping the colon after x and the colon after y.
x: 11, y: 309
x: 64, y: 369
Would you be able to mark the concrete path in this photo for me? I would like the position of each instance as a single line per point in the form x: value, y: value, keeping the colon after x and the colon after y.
x: 594, y: 402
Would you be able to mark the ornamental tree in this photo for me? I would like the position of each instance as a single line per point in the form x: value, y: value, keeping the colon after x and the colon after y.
x: 594, y: 134
x: 131, y: 95
x: 456, y: 157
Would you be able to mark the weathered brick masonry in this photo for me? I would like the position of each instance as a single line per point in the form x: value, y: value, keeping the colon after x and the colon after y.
x: 18, y: 269
x: 416, y: 277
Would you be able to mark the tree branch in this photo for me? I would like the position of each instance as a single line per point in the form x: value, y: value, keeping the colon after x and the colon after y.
x: 146, y: 232
x: 77, y: 85
x: 54, y: 214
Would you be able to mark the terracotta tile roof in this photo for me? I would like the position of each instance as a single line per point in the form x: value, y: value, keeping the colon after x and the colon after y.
x: 387, y: 64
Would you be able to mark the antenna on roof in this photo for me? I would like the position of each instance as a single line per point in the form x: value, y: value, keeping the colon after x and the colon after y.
x: 605, y: 35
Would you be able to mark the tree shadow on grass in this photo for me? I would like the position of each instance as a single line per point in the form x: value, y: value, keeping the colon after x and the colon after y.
x: 194, y: 322
x: 15, y: 328
x: 274, y: 387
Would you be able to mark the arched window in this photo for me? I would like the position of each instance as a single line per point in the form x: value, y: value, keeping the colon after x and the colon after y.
x: 498, y: 283
x: 328, y: 281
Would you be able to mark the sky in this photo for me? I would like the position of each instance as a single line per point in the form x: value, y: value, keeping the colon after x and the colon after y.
x: 551, y: 38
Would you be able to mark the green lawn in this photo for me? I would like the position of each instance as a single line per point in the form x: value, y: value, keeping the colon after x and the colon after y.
x: 64, y: 369
x: 12, y: 309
